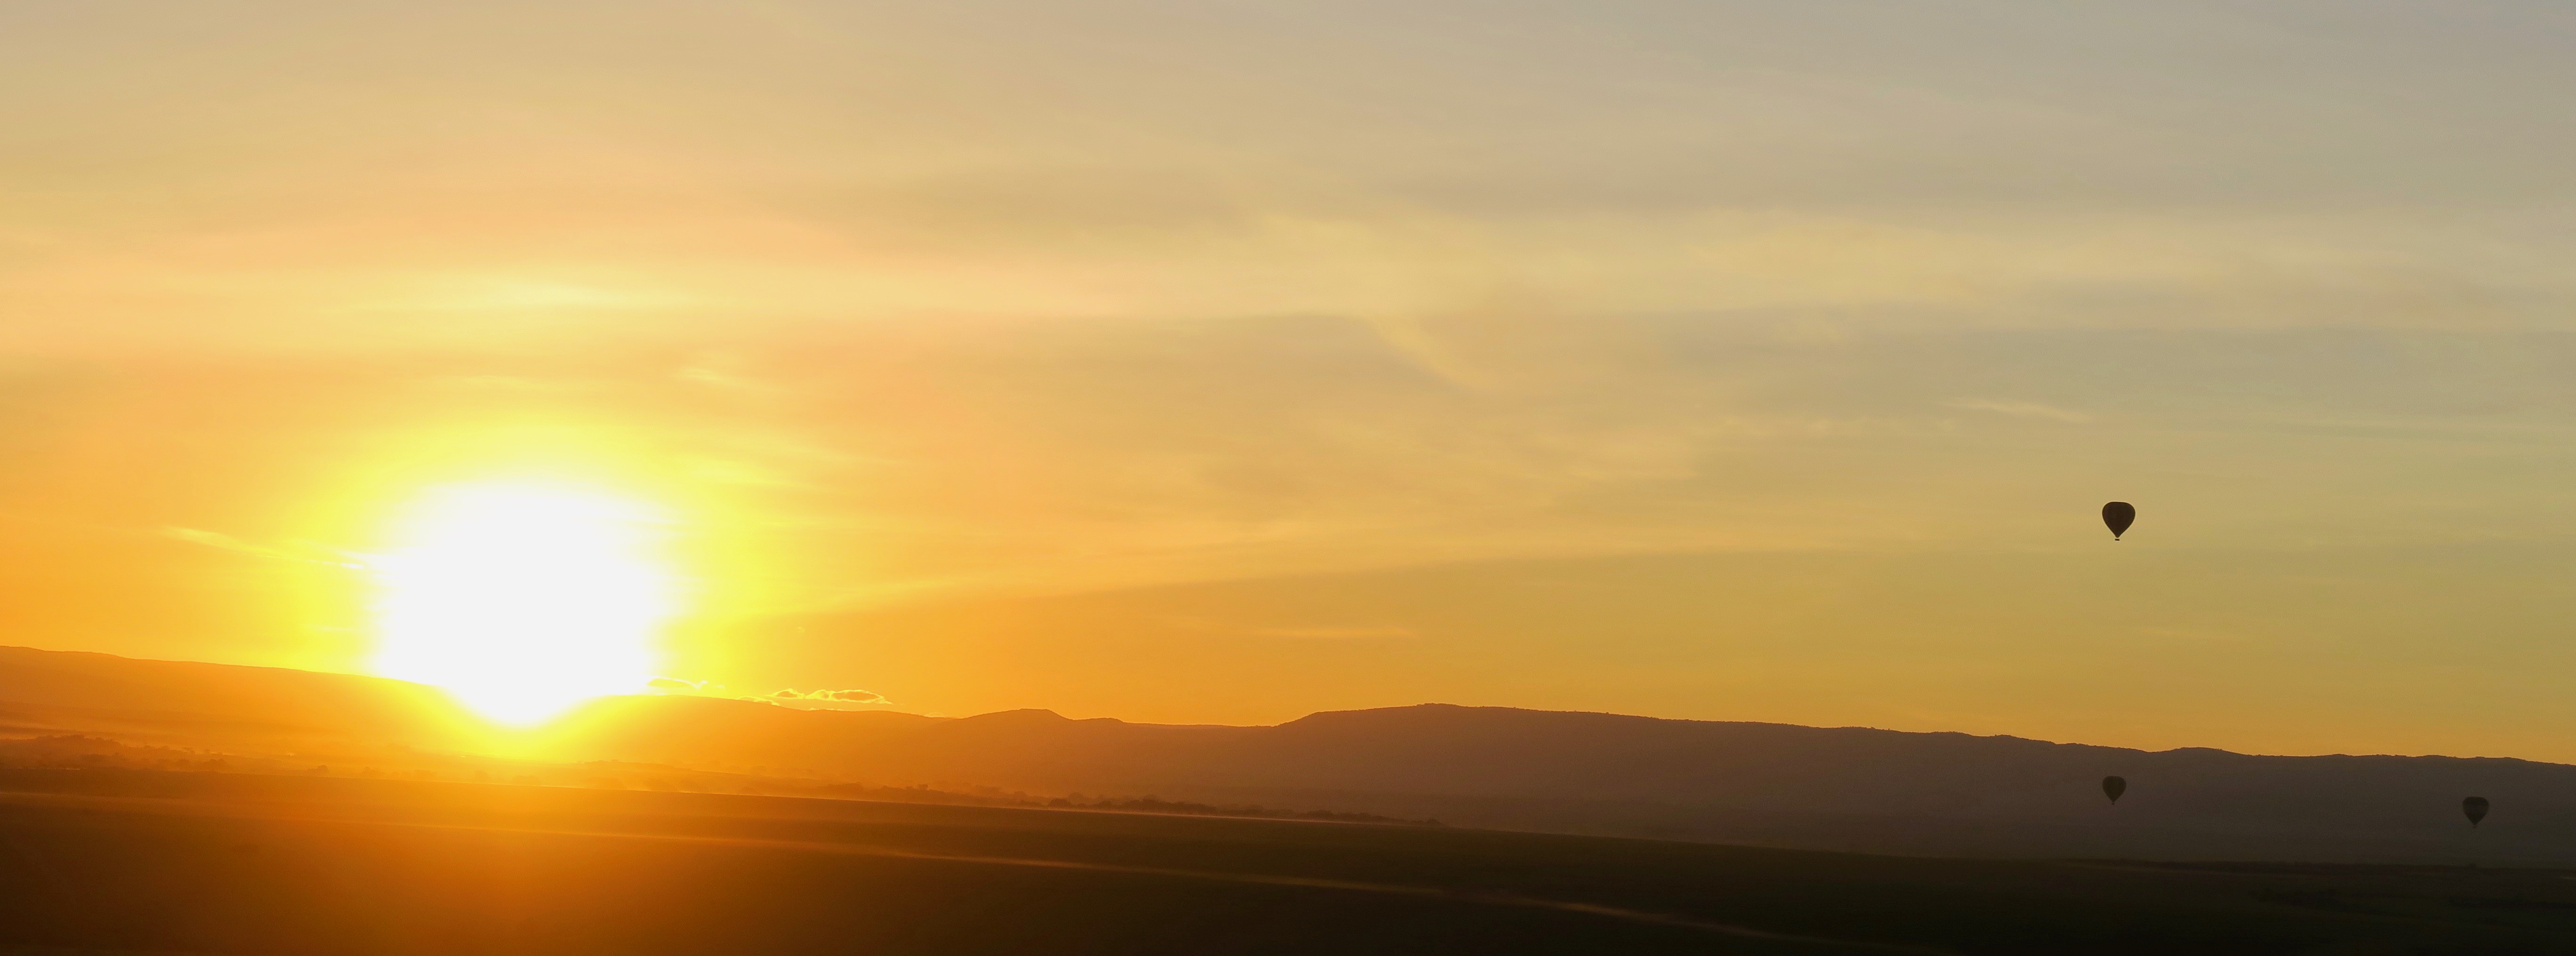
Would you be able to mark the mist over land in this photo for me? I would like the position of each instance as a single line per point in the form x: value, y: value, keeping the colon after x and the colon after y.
x: 157, y: 806
x: 1847, y: 789
x: 158, y: 861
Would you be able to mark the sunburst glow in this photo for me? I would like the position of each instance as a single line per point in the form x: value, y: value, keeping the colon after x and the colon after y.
x: 523, y: 600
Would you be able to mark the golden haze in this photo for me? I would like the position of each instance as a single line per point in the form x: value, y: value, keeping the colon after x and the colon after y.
x: 1135, y: 364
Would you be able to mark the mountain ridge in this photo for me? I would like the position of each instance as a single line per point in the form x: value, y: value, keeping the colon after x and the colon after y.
x: 1790, y: 785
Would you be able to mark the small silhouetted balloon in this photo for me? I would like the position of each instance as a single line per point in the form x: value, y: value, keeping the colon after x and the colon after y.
x: 2476, y: 808
x: 2113, y: 787
x: 2119, y: 514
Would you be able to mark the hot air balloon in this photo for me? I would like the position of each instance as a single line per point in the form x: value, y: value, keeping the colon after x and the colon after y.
x: 2119, y: 514
x: 2476, y: 808
x: 2113, y: 787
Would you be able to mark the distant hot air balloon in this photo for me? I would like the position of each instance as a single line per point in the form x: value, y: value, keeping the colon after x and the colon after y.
x: 2476, y: 808
x: 2119, y: 514
x: 2113, y: 787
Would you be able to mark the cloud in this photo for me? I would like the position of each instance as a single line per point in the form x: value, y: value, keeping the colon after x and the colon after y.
x: 834, y: 696
x: 1319, y: 632
x: 2021, y: 410
x: 225, y: 542
x: 1342, y: 632
x: 684, y: 686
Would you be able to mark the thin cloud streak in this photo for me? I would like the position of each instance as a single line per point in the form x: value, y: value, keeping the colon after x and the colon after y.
x: 2022, y: 410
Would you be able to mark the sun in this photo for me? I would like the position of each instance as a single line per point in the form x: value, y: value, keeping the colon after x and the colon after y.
x: 522, y: 600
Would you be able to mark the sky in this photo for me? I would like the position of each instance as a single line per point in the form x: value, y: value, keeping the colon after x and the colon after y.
x: 1227, y: 361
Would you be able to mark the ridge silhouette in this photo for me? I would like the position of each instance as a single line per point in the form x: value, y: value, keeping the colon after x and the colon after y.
x: 1846, y: 788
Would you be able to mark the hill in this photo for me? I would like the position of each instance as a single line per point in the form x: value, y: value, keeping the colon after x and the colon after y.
x: 1770, y: 784
x: 219, y: 705
x: 1854, y: 789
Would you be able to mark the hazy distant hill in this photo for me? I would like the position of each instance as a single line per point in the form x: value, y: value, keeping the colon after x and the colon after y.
x: 216, y: 704
x: 1828, y: 788
x: 1777, y: 784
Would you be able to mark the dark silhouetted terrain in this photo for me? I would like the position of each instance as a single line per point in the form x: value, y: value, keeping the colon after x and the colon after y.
x: 1851, y: 789
x: 300, y: 866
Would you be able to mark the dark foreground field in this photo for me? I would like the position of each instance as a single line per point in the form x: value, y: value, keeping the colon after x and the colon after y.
x: 139, y: 861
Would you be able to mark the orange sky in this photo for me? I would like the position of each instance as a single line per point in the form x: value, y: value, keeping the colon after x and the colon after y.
x: 1180, y: 363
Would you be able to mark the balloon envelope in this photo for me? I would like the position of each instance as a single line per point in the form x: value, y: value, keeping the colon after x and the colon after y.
x: 2476, y: 808
x: 2113, y: 787
x: 2118, y: 515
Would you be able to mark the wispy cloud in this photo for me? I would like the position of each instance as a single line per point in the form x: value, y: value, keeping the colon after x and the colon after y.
x: 1338, y: 632
x: 706, y: 688
x: 225, y: 542
x: 851, y: 696
x: 2021, y: 410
